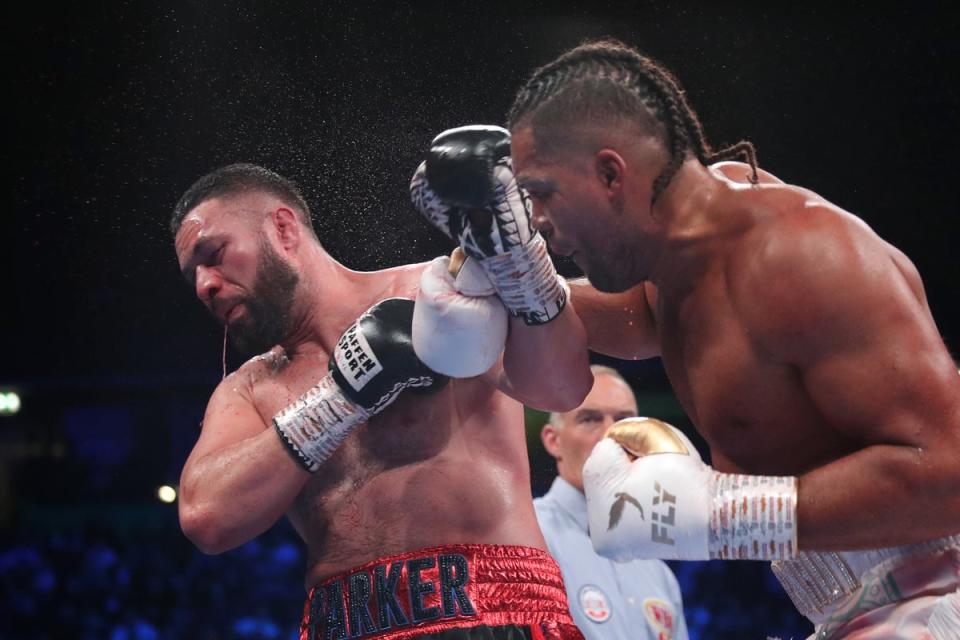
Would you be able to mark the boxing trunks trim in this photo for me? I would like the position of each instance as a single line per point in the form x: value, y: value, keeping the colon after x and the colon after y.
x: 432, y: 590
x: 819, y: 582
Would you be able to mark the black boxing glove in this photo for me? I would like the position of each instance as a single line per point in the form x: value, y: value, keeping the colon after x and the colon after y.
x: 372, y: 364
x: 467, y: 189
x: 460, y: 164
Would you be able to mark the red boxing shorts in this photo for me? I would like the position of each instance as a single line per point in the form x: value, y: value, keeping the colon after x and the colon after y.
x: 491, y: 591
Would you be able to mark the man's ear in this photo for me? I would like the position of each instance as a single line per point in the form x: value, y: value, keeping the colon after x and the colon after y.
x: 548, y: 436
x: 610, y: 169
x: 286, y: 225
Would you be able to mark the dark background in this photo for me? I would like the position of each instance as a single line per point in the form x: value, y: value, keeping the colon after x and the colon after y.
x: 113, y: 109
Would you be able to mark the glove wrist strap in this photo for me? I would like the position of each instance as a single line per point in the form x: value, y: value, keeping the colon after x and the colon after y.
x: 752, y: 517
x: 313, y: 426
x: 527, y: 282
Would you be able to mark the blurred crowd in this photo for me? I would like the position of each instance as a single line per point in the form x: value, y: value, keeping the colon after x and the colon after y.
x: 97, y: 584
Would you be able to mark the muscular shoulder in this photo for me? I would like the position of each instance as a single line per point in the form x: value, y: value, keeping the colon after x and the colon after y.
x: 245, y: 379
x: 743, y: 173
x: 805, y: 268
x: 405, y: 279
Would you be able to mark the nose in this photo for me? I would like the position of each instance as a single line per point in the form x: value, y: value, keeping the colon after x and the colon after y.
x: 538, y: 219
x: 208, y: 283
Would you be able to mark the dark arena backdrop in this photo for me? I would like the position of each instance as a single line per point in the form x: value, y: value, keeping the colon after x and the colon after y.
x: 112, y: 109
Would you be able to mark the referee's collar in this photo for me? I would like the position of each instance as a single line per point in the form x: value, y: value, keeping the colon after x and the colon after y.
x: 570, y: 500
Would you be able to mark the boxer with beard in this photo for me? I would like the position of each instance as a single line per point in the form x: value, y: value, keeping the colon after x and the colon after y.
x: 411, y: 492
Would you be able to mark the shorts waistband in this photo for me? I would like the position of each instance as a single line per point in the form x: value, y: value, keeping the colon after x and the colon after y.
x: 437, y: 588
x: 816, y: 581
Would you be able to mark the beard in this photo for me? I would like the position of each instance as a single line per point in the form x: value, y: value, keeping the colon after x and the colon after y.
x: 269, y: 306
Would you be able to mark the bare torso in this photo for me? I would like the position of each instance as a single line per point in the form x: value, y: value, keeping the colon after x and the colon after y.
x: 800, y: 343
x: 734, y: 393
x: 431, y: 469
x: 750, y: 405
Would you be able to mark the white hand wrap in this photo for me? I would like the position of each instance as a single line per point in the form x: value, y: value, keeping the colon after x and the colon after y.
x: 527, y: 282
x: 753, y: 517
x: 317, y: 423
x: 668, y: 504
x: 459, y: 326
x: 510, y: 250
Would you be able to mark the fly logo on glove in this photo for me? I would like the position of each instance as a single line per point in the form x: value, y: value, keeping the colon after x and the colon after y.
x: 616, y: 509
x: 665, y: 517
x: 695, y: 513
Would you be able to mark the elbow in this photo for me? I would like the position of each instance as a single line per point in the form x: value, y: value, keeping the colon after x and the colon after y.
x: 580, y: 385
x: 201, y: 527
x: 565, y: 393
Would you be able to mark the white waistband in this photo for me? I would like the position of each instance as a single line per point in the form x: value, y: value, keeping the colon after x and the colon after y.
x: 817, y: 580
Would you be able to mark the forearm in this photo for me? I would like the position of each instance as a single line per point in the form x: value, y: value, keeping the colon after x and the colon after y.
x: 617, y: 324
x: 547, y: 365
x: 880, y: 496
x: 230, y: 496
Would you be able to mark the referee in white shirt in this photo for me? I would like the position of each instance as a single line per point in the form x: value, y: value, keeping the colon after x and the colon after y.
x: 634, y: 600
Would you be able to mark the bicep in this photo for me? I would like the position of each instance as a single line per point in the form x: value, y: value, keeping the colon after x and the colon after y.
x: 230, y: 417
x: 618, y: 324
x: 876, y: 367
x: 890, y: 386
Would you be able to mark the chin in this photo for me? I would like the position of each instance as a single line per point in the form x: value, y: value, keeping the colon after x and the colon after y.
x: 608, y: 281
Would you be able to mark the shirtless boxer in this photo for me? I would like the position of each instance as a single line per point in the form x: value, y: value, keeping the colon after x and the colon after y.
x: 775, y: 313
x: 798, y: 341
x: 417, y: 515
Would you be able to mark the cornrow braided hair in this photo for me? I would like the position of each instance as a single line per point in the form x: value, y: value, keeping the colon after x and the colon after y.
x: 608, y: 78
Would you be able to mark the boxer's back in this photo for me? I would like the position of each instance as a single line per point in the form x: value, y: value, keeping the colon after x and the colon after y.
x: 445, y: 468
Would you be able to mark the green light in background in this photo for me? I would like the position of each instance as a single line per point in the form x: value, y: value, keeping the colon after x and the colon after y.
x: 9, y: 403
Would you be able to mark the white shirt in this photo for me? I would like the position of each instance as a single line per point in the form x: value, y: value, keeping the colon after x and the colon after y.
x: 620, y: 601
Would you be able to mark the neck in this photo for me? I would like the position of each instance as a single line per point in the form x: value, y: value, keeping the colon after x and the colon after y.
x: 330, y: 297
x: 691, y: 227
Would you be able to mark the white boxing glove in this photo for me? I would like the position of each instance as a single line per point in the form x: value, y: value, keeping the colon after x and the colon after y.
x: 459, y: 325
x: 668, y: 504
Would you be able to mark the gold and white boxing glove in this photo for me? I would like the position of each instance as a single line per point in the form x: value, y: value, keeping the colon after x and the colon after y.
x: 649, y: 495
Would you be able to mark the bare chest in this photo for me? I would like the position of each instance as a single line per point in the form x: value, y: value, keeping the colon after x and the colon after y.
x: 416, y: 426
x: 427, y: 470
x: 751, y: 409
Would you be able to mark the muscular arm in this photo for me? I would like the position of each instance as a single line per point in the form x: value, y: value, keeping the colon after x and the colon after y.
x: 617, y: 324
x: 238, y: 480
x: 546, y: 366
x: 847, y: 311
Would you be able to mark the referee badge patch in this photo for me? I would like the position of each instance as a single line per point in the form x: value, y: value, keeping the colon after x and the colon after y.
x: 659, y: 616
x: 594, y: 603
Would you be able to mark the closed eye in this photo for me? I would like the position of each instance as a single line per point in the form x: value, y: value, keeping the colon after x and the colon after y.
x: 539, y: 196
x: 203, y: 253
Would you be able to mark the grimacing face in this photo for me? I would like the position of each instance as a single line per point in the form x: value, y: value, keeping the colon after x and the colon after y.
x: 609, y: 400
x: 574, y: 213
x: 236, y: 273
